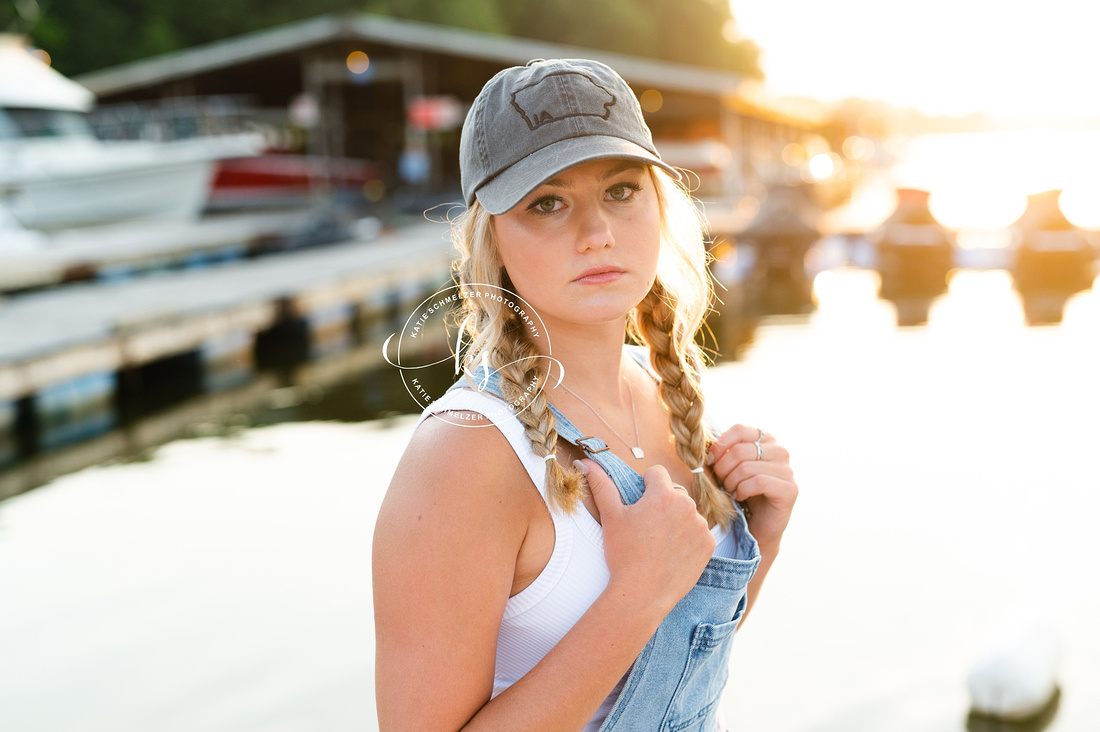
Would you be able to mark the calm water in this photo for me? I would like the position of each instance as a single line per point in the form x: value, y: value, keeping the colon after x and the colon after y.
x: 947, y: 471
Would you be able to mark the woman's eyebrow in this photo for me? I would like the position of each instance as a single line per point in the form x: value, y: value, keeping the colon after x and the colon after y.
x: 621, y: 167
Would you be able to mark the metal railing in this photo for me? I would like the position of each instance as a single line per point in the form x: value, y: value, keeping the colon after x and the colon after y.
x: 184, y: 118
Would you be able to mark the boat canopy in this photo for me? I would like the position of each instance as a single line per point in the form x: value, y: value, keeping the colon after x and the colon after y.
x: 27, y: 82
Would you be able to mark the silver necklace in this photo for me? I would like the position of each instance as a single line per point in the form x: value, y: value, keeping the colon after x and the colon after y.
x: 637, y: 448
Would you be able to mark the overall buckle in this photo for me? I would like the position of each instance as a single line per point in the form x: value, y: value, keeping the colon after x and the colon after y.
x: 590, y: 450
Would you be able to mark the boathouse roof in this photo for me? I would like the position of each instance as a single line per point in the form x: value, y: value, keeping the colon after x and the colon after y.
x: 405, y: 34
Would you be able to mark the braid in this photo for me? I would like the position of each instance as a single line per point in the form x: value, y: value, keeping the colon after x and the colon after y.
x: 682, y: 397
x: 496, y: 336
x: 667, y: 321
x: 521, y: 384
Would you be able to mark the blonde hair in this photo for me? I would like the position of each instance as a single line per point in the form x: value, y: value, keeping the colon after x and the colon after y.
x: 666, y: 320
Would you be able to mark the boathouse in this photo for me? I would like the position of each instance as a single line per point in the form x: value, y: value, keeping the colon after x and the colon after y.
x: 394, y: 92
x: 78, y: 360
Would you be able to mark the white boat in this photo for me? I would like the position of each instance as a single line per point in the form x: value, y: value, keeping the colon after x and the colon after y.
x: 56, y: 174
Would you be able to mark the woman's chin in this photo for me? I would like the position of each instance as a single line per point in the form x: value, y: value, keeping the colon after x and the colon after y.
x: 601, y: 313
x: 590, y: 308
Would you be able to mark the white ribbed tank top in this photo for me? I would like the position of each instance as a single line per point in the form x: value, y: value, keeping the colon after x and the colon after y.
x: 540, y: 616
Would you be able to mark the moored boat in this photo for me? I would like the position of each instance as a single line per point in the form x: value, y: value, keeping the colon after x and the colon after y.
x: 1052, y: 259
x: 1051, y: 254
x: 275, y: 179
x: 782, y: 233
x: 55, y: 173
x: 914, y: 251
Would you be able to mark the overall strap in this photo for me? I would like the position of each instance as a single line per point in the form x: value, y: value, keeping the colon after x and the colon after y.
x: 627, y: 480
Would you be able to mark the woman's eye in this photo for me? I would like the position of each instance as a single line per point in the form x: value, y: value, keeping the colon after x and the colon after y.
x: 622, y: 192
x: 550, y: 204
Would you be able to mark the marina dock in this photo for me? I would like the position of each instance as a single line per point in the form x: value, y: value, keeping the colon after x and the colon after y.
x: 67, y: 351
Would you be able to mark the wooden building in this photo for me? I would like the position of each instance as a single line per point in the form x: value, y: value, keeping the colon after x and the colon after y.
x: 395, y: 92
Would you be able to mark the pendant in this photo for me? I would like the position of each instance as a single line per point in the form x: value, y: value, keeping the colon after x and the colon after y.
x: 638, y: 453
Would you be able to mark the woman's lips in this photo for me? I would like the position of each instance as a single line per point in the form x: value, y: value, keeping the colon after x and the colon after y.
x: 600, y: 275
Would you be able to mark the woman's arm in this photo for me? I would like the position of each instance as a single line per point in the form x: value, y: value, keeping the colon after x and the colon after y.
x: 444, y: 556
x: 766, y: 485
x: 445, y: 545
x: 767, y: 557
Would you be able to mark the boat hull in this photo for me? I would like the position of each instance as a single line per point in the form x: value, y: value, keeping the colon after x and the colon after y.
x: 175, y: 192
x: 87, y: 183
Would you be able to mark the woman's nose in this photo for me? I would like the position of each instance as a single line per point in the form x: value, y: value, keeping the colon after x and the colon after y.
x: 594, y: 228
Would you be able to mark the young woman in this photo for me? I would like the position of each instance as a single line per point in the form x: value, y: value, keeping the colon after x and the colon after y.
x: 567, y: 544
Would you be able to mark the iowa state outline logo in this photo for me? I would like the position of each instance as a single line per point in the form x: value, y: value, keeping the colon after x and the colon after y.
x: 542, y: 102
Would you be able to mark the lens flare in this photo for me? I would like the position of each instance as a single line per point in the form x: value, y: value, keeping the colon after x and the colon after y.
x: 358, y: 62
x: 651, y: 100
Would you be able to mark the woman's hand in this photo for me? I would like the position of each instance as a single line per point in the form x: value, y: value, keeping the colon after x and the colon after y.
x: 657, y: 548
x: 761, y: 479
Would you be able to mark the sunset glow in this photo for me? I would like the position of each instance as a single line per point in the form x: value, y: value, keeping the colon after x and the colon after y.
x: 984, y: 180
x: 940, y: 56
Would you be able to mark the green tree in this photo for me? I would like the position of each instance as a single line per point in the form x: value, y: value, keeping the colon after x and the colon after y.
x: 686, y: 31
x: 84, y: 35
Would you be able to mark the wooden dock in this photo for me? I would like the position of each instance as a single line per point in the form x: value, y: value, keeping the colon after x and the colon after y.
x: 55, y: 336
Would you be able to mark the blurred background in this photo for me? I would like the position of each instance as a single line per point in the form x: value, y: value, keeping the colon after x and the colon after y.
x: 214, y: 214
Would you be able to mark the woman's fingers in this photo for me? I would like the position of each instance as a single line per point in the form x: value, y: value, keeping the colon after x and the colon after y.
x: 658, y: 546
x: 747, y: 452
x: 755, y: 470
x: 604, y: 493
x: 747, y: 464
x: 755, y: 479
x: 739, y: 433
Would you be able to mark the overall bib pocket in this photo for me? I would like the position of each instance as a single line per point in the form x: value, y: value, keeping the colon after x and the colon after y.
x: 704, y: 676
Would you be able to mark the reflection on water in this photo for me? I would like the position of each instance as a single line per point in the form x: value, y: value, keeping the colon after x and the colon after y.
x: 222, y: 586
x: 354, y: 385
x: 946, y: 473
x: 1038, y: 723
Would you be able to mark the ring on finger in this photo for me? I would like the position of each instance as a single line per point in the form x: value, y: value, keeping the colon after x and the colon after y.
x: 677, y: 485
x: 759, y: 450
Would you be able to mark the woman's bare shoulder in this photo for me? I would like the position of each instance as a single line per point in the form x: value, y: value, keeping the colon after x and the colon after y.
x: 457, y: 469
x: 461, y: 440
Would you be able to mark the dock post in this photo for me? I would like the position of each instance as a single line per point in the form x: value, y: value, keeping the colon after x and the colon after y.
x: 74, y: 409
x: 9, y: 447
x: 228, y: 359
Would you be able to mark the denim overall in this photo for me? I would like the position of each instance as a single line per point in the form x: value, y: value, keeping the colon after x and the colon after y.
x: 677, y: 680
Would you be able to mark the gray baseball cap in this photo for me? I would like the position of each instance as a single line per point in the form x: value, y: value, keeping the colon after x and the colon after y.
x: 531, y: 122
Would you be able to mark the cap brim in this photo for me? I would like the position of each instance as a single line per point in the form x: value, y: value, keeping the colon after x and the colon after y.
x: 501, y: 193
